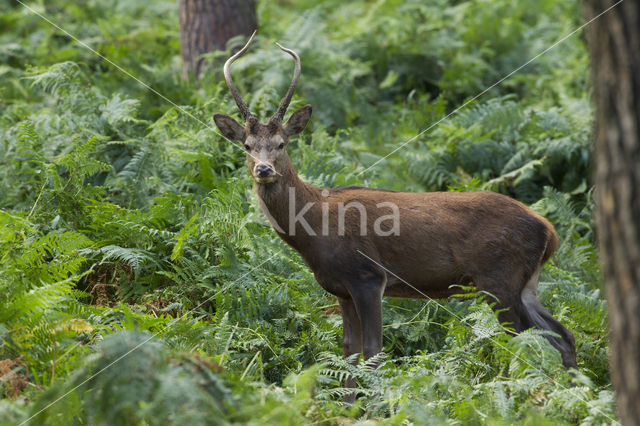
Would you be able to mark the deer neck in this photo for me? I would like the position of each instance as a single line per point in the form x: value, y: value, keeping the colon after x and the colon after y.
x: 282, y: 200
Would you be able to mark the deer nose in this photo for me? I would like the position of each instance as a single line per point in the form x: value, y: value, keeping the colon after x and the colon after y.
x: 264, y: 170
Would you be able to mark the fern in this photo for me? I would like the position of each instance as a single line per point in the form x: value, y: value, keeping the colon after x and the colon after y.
x: 80, y: 164
x: 137, y: 259
x: 57, y: 79
x: 118, y: 111
x: 23, y: 161
x: 39, y: 300
x: 27, y: 144
x: 120, y: 213
x: 145, y: 374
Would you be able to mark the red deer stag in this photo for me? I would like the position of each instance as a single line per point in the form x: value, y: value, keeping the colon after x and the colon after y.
x: 363, y: 244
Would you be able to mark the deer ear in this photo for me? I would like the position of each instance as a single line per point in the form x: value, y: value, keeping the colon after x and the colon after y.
x: 298, y: 121
x: 230, y: 128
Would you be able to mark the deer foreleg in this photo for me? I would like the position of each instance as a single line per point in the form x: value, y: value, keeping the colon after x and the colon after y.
x: 351, y: 337
x: 368, y: 303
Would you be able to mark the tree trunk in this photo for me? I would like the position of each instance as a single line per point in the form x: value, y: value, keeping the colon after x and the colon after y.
x: 207, y: 25
x: 614, y: 44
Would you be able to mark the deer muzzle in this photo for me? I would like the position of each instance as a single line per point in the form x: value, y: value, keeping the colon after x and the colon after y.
x: 263, y: 172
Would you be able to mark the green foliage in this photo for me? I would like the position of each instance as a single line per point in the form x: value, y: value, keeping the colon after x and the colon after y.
x: 129, y: 234
x: 142, y: 388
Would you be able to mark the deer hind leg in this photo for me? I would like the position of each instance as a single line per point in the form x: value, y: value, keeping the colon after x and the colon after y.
x: 535, y: 315
x: 505, y: 299
x: 519, y: 308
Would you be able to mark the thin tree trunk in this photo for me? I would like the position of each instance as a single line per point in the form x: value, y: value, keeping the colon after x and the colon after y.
x: 614, y: 44
x: 207, y: 25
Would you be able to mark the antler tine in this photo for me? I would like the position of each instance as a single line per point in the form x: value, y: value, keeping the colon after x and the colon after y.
x: 282, y: 109
x: 244, y: 109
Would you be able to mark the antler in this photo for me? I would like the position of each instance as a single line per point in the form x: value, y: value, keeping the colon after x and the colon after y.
x: 244, y: 109
x: 279, y: 115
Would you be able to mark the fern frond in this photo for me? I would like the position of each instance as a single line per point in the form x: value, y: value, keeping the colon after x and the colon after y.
x: 80, y: 162
x: 58, y: 78
x: 39, y: 299
x: 136, y: 258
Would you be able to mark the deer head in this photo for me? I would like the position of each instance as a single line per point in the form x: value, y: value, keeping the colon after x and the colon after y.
x: 265, y: 144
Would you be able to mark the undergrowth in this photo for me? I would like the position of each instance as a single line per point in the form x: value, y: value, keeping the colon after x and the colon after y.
x: 141, y: 285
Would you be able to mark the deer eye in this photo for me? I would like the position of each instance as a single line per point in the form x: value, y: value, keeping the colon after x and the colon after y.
x: 281, y: 145
x: 247, y: 147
